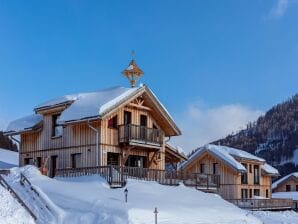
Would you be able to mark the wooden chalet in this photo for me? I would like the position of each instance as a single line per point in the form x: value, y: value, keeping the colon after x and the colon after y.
x: 242, y: 175
x: 116, y: 126
x: 287, y: 183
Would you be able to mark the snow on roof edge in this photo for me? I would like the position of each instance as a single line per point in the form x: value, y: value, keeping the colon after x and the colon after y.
x: 276, y: 183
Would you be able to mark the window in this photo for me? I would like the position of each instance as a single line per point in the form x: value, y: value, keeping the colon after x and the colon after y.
x: 202, y: 168
x: 76, y: 160
x: 256, y: 174
x: 215, y: 168
x: 250, y: 168
x: 267, y: 193
x: 296, y: 187
x: 244, y: 175
x: 38, y: 162
x: 244, y: 193
x: 113, y: 122
x: 250, y: 193
x: 56, y: 128
x: 28, y: 161
x: 288, y: 187
x: 256, y: 192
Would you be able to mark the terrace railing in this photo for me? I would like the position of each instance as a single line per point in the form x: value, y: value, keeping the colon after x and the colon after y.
x: 117, y: 176
x: 263, y: 204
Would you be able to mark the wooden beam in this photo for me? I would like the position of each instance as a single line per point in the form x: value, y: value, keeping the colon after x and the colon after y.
x: 139, y: 106
x: 152, y: 159
x: 127, y: 151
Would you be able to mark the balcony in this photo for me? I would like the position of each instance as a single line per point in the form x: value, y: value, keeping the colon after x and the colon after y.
x: 137, y: 135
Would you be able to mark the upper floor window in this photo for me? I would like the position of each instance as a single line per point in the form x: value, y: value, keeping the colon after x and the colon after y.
x: 244, y: 175
x: 215, y: 168
x: 127, y: 117
x: 256, y: 174
x: 288, y: 187
x: 202, y: 168
x: 296, y: 187
x: 56, y: 128
x: 113, y: 122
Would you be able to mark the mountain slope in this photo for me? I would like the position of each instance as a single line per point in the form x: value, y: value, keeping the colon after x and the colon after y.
x: 273, y: 136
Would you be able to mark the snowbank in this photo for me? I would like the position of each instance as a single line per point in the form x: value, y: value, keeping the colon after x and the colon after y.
x: 90, y: 200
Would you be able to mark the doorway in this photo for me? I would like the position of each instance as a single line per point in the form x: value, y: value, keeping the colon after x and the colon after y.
x: 53, y: 166
x: 136, y: 161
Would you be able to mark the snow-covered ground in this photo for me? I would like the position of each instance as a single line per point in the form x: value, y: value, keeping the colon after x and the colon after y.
x: 11, y: 212
x: 285, y: 217
x: 90, y: 200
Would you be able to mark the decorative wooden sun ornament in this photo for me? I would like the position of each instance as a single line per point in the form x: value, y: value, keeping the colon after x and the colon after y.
x: 133, y: 72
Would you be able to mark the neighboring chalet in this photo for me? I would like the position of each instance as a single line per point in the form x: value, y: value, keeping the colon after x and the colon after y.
x: 287, y: 183
x: 116, y: 126
x: 242, y: 175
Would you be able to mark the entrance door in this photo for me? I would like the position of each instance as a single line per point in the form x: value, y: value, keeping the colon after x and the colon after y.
x: 53, y: 166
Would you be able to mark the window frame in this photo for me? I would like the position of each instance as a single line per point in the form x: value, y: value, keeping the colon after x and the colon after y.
x: 55, y: 126
x: 113, y: 122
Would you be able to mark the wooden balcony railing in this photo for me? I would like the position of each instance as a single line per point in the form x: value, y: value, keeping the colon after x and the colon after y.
x: 137, y: 134
x: 263, y: 204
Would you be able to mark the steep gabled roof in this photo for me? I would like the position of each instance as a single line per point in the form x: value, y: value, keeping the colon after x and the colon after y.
x: 94, y: 105
x: 281, y: 180
x: 229, y: 156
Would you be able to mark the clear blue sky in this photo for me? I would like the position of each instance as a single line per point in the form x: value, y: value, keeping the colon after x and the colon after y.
x: 218, y: 52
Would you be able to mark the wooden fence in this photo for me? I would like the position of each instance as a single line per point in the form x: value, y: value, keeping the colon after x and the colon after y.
x: 263, y: 204
x: 117, y: 176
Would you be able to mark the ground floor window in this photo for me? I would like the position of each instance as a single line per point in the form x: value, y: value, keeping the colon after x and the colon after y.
x: 113, y: 159
x: 28, y: 161
x: 202, y: 168
x: 256, y: 192
x: 76, y: 160
x: 250, y: 193
x: 244, y: 193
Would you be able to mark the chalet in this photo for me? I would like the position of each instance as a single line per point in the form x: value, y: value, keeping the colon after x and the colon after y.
x: 116, y: 126
x: 242, y: 175
x: 288, y: 183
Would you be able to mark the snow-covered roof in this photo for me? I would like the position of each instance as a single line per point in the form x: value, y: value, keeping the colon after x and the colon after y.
x: 176, y: 149
x: 8, y: 159
x: 25, y: 123
x: 229, y: 156
x: 274, y: 185
x: 268, y: 169
x: 88, y: 105
x: 83, y: 106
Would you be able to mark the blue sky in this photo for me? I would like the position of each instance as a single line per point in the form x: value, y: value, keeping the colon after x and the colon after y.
x: 204, y: 59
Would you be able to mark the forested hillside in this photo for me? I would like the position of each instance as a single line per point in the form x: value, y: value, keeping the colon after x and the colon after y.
x: 6, y: 143
x: 273, y: 136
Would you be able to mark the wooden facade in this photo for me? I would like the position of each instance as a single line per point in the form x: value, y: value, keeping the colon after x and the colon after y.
x: 232, y: 185
x: 77, y: 146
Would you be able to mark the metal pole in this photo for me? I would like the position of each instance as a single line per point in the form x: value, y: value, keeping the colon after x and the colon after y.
x: 155, y: 213
x: 97, y: 141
